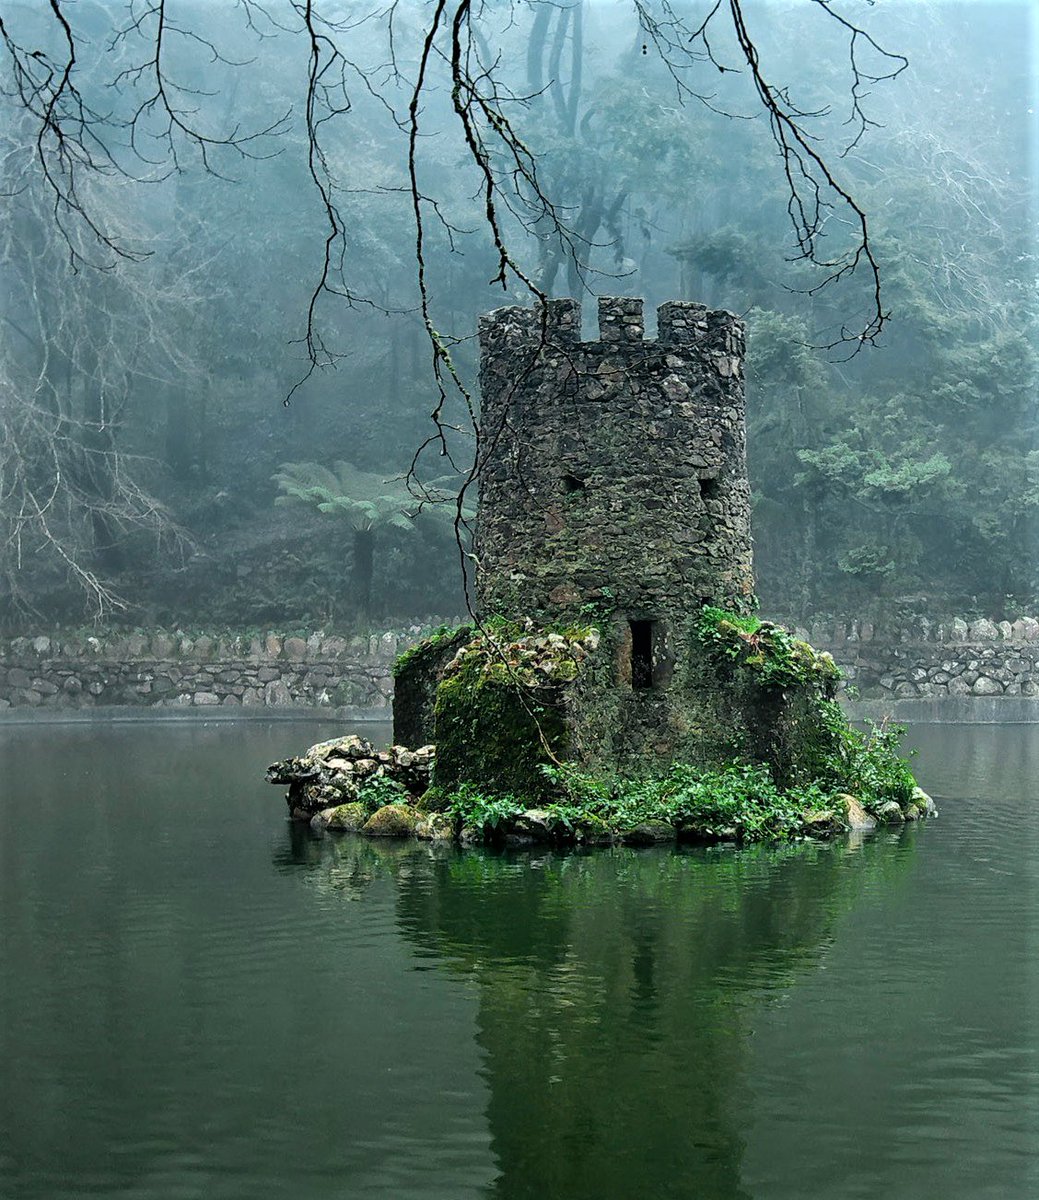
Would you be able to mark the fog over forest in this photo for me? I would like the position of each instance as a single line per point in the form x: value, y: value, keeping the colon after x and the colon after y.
x: 166, y: 289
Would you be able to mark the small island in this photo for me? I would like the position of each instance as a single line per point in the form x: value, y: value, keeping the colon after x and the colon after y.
x: 616, y: 683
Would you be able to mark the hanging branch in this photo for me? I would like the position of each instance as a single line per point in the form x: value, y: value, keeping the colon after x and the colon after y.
x: 814, y: 192
x: 74, y: 140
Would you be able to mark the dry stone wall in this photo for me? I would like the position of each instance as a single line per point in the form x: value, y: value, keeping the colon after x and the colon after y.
x: 957, y: 658
x: 927, y: 660
x: 204, y: 671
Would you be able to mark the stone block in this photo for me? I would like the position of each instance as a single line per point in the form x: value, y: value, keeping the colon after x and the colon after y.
x: 982, y: 631
x: 277, y: 695
x: 162, y: 645
x: 620, y: 319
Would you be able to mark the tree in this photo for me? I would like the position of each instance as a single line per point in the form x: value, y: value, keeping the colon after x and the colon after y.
x: 161, y: 118
x: 73, y: 346
x: 519, y: 145
x: 365, y: 503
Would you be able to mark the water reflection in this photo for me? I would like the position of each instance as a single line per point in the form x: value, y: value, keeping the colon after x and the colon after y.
x: 616, y: 991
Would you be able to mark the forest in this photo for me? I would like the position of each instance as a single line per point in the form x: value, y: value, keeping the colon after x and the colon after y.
x: 219, y: 361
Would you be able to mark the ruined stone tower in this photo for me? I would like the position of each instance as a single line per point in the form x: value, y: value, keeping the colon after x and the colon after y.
x: 613, y: 473
x: 614, y: 506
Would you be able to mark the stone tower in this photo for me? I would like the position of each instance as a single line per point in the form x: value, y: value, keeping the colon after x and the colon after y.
x: 613, y: 472
x: 613, y: 505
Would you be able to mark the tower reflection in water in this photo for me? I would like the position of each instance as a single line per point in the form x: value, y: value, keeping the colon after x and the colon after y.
x: 617, y: 992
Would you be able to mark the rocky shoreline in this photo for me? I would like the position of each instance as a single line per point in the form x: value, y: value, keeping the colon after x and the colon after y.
x: 346, y: 785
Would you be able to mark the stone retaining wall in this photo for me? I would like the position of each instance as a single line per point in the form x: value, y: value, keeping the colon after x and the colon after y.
x: 932, y: 659
x: 175, y: 670
x: 923, y: 661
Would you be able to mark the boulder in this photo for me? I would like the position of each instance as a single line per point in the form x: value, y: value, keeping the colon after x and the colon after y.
x: 535, y: 824
x: 349, y: 818
x: 822, y: 823
x: 392, y: 820
x: 648, y: 833
x: 890, y: 813
x: 923, y: 803
x: 859, y: 821
x: 435, y: 827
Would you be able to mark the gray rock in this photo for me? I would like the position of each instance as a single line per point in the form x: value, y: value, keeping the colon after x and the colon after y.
x: 535, y: 824
x: 890, y: 813
x: 982, y: 631
x: 648, y: 833
x: 859, y: 821
x: 824, y: 822
x: 437, y: 827
x: 295, y: 649
x: 162, y: 646
x: 984, y: 686
x: 923, y: 803
x: 276, y: 694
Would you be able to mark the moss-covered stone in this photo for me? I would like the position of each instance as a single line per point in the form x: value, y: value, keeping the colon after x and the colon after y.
x: 436, y: 827
x: 823, y: 823
x: 649, y: 833
x: 348, y: 818
x: 501, y: 708
x: 392, y: 820
x: 416, y: 674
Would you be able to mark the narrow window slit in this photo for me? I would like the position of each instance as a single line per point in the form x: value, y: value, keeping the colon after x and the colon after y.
x: 641, y: 654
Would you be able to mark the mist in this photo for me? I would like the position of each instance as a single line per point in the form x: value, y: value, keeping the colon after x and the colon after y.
x: 228, y: 312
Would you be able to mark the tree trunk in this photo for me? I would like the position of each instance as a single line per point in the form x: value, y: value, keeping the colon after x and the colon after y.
x: 364, y: 555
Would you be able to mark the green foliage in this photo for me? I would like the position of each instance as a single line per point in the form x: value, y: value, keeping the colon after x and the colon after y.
x: 469, y: 805
x: 771, y: 653
x: 381, y: 790
x: 363, y: 500
x: 867, y: 765
x: 740, y: 801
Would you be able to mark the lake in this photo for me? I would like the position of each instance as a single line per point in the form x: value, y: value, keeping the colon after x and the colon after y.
x: 198, y: 999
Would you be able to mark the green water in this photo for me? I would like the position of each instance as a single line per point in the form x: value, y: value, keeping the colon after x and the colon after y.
x: 198, y: 1000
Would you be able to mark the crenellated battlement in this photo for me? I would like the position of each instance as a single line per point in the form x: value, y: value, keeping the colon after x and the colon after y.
x: 680, y: 323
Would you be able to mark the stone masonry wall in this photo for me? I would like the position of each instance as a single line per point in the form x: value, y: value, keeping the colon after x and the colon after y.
x: 613, y: 472
x: 933, y: 659
x: 922, y: 661
x: 176, y: 670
